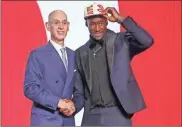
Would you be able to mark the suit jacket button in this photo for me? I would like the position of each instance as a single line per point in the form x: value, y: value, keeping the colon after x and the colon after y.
x: 57, y: 81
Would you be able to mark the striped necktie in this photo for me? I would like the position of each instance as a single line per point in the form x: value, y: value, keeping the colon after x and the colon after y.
x: 63, y: 51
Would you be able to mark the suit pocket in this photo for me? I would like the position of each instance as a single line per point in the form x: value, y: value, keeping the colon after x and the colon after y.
x: 39, y: 109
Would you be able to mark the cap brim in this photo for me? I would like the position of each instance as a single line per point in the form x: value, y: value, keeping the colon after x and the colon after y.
x: 89, y: 16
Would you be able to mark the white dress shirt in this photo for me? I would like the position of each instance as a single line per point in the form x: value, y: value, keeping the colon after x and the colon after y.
x: 58, y: 49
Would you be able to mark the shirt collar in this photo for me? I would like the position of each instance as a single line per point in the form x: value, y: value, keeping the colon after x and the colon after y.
x: 57, y: 46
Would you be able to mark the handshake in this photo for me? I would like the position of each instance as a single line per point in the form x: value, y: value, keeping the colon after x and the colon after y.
x: 66, y: 106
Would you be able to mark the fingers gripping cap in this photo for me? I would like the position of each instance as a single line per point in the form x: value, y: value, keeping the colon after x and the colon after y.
x: 94, y: 9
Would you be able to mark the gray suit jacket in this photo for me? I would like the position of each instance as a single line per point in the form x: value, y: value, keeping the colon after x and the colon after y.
x: 121, y: 48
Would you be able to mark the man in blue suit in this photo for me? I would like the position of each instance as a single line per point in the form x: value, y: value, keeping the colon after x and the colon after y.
x: 105, y: 83
x: 48, y: 77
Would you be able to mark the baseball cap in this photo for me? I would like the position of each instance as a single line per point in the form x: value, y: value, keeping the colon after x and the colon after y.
x: 94, y: 9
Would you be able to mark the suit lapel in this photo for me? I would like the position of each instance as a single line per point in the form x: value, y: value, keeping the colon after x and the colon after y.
x: 86, y: 62
x: 109, y: 39
x: 121, y: 64
x: 56, y: 60
x: 70, y: 56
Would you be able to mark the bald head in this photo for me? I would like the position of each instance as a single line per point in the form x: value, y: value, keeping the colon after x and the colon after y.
x: 56, y: 12
x: 58, y: 26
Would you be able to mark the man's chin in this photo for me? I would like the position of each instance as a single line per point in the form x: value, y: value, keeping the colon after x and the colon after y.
x: 61, y: 38
x: 98, y: 38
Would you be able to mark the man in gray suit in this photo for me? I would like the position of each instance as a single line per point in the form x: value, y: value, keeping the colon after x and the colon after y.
x: 48, y: 77
x: 105, y: 83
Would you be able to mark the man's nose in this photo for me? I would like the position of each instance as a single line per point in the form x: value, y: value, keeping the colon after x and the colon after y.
x: 97, y: 28
x: 61, y: 26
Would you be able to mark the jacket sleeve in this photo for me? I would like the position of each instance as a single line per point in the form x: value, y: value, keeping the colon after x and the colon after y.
x: 137, y: 38
x: 34, y: 85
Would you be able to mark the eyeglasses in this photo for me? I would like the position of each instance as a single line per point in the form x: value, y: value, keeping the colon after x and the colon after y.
x: 58, y: 23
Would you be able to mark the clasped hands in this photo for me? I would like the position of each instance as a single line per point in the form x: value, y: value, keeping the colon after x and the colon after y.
x: 66, y: 106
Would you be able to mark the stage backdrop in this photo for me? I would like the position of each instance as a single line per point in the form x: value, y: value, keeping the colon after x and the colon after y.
x: 157, y: 70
